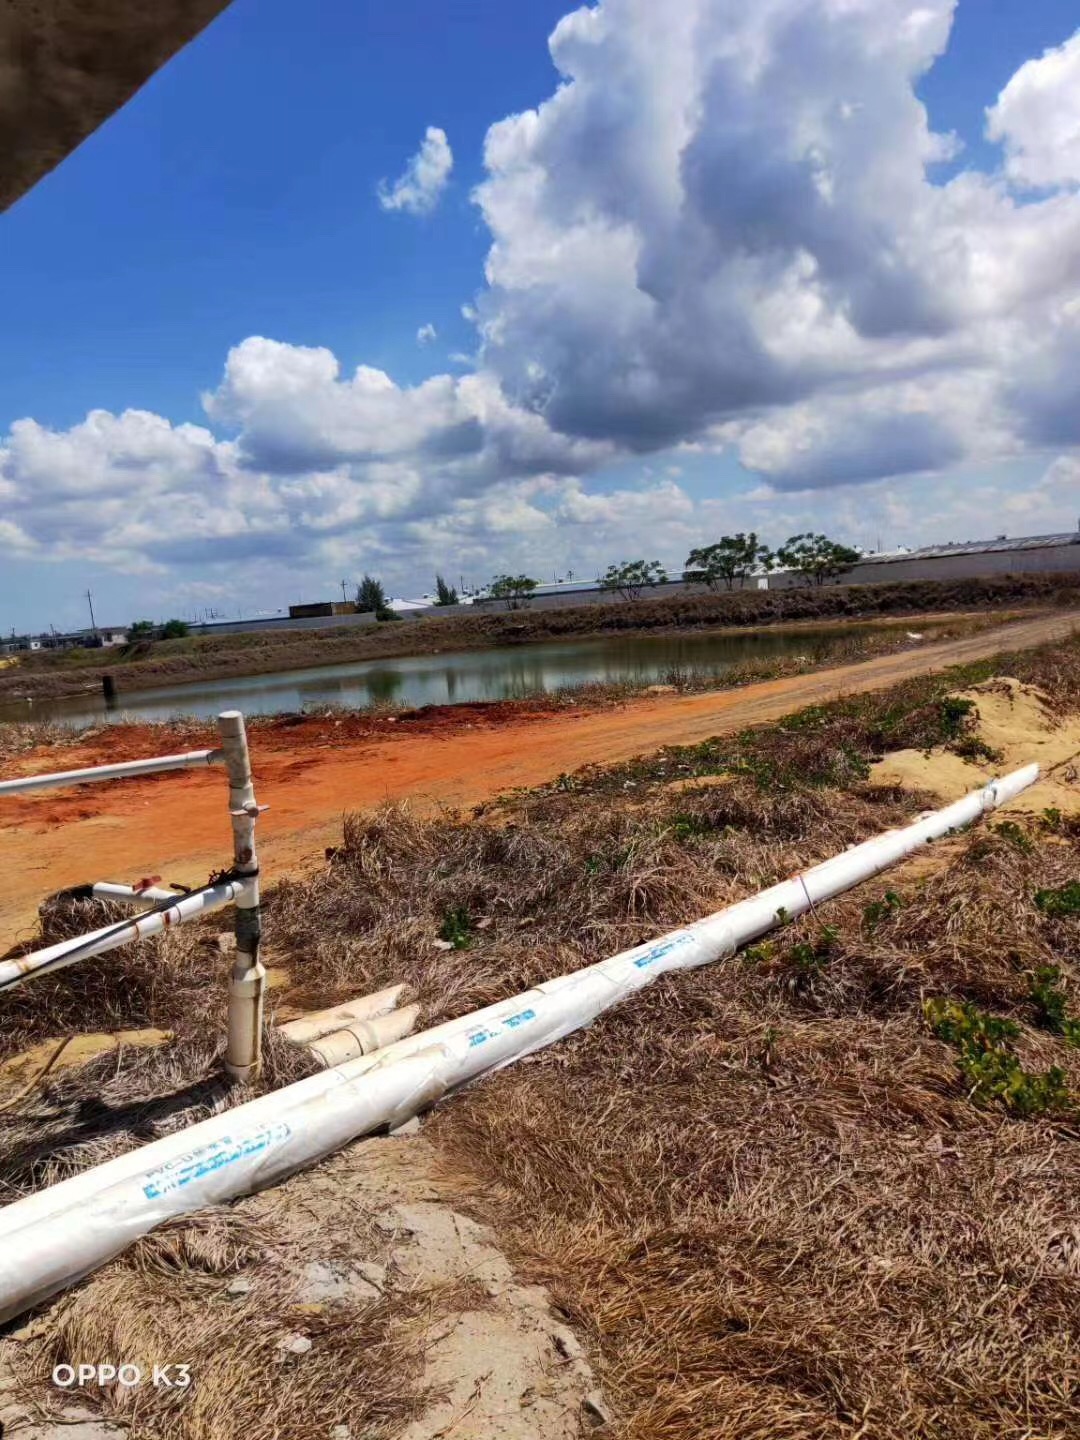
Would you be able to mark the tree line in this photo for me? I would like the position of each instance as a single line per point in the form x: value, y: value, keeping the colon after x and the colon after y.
x: 728, y: 562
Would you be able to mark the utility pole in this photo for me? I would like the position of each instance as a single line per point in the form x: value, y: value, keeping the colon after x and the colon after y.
x: 93, y: 622
x: 344, y: 591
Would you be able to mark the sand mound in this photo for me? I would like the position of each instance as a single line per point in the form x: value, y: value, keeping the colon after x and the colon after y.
x: 1016, y: 721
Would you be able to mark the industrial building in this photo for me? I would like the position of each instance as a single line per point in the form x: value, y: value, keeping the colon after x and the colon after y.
x: 1032, y: 554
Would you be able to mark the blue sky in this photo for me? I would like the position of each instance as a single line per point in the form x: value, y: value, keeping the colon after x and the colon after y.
x: 235, y: 196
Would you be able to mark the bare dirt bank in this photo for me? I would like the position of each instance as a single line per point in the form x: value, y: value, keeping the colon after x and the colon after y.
x: 312, y: 772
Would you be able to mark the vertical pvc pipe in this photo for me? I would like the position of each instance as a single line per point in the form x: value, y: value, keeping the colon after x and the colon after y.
x: 247, y: 985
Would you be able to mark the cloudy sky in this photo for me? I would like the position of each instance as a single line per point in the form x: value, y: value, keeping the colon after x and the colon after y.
x: 358, y: 287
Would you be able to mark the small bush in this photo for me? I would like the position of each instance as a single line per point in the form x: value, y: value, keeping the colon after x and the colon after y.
x: 879, y: 910
x: 988, y: 1063
x: 457, y: 928
x: 1061, y: 903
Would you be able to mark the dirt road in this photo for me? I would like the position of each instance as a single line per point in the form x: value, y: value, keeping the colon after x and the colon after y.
x: 310, y: 776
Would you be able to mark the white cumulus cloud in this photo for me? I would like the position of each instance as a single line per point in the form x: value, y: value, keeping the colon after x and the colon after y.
x: 426, y: 334
x: 421, y: 184
x: 725, y: 229
x: 1037, y: 119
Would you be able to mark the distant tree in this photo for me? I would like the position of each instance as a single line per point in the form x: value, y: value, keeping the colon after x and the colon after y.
x: 174, y: 629
x: 632, y: 577
x: 514, y: 590
x: 370, y: 595
x: 816, y: 557
x: 732, y: 558
x: 139, y: 629
x: 446, y: 594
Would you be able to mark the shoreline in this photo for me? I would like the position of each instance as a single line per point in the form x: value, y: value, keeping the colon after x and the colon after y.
x: 146, y: 665
x: 313, y: 770
x: 856, y: 640
x: 78, y: 688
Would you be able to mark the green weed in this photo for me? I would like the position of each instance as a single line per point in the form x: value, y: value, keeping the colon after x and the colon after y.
x: 811, y: 956
x: 1061, y: 903
x: 1009, y: 830
x: 879, y: 910
x: 954, y: 713
x: 988, y: 1063
x: 687, y: 827
x: 457, y: 928
x: 1051, y: 1004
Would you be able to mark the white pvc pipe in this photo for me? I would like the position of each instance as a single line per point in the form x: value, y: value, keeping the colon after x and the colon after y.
x: 190, y: 760
x: 247, y: 984
x: 54, y: 1237
x: 364, y: 1037
x: 107, y: 890
x: 325, y: 1022
x: 111, y: 937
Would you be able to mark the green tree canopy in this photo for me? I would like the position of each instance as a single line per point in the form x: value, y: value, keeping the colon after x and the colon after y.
x: 732, y: 558
x: 174, y: 629
x: 139, y: 628
x: 816, y: 557
x: 514, y: 590
x: 370, y: 595
x: 632, y: 577
x: 446, y: 594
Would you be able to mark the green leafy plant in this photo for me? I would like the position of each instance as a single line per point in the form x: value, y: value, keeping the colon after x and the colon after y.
x: 955, y: 715
x: 457, y: 928
x: 883, y: 909
x: 1051, y: 819
x: 970, y: 747
x: 811, y: 956
x: 1060, y: 903
x: 759, y: 954
x: 686, y: 827
x: 1010, y: 831
x: 1050, y: 1002
x: 988, y: 1063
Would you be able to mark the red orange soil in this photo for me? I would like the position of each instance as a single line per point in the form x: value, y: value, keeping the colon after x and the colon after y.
x: 311, y: 771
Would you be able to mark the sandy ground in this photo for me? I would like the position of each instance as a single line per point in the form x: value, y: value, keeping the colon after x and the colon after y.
x: 505, y: 1367
x: 1016, y: 721
x: 312, y: 772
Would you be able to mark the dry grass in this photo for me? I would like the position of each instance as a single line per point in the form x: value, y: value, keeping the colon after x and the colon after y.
x: 761, y: 1191
x: 167, y: 1302
x: 799, y: 1225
